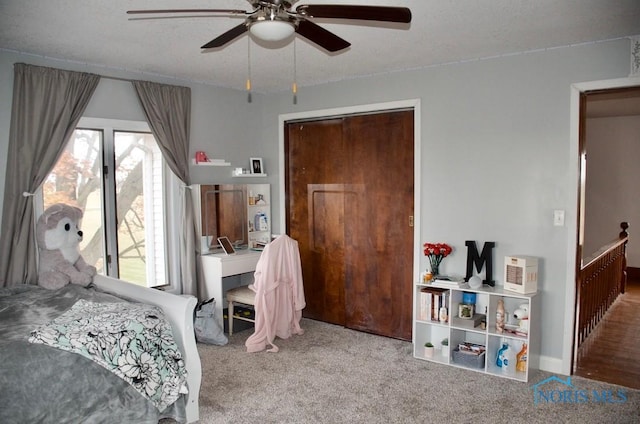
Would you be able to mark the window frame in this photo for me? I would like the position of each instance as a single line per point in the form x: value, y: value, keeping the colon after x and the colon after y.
x: 171, y: 194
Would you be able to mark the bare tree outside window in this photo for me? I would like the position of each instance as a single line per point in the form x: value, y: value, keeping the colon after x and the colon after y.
x: 133, y: 230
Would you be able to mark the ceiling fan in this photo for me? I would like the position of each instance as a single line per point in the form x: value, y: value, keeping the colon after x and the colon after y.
x: 275, y: 20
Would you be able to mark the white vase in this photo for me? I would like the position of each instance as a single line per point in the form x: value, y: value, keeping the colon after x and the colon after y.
x: 445, y: 351
x: 428, y: 352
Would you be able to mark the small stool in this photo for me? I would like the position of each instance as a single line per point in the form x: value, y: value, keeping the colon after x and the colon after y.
x: 243, y: 295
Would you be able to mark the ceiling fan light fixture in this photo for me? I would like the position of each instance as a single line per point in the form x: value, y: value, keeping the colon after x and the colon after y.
x: 271, y: 30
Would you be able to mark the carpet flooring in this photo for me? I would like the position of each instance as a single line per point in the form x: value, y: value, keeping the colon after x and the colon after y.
x: 335, y: 375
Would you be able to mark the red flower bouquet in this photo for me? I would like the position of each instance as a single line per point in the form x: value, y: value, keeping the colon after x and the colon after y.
x: 436, y: 252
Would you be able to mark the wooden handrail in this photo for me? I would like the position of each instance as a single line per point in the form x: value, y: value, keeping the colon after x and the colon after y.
x: 589, y: 261
x: 601, y: 278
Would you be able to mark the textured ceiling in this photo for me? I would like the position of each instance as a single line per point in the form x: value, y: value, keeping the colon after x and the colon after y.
x: 442, y: 31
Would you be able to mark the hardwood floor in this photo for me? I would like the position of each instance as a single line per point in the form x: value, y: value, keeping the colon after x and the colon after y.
x: 612, y: 352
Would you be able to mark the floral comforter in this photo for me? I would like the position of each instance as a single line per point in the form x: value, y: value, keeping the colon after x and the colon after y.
x: 43, y: 384
x: 132, y: 340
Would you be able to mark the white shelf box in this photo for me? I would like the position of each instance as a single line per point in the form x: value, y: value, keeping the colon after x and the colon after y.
x: 259, y: 232
x: 480, y: 310
x: 494, y: 344
x: 434, y: 334
x: 463, y: 330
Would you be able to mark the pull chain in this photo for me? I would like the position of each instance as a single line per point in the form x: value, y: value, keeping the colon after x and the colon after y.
x: 248, y: 85
x: 294, y: 86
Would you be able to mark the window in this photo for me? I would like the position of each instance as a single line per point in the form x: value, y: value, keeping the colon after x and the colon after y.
x: 114, y: 171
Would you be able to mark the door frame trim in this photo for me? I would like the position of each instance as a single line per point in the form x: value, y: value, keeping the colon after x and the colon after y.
x: 576, y: 226
x: 413, y: 104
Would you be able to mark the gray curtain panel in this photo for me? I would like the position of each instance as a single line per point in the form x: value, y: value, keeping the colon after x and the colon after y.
x: 168, y: 112
x: 47, y: 105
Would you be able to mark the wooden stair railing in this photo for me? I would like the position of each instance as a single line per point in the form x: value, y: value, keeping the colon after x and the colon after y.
x: 600, y: 280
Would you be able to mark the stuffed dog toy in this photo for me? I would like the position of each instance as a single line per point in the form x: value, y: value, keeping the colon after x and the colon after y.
x: 522, y: 314
x: 58, y: 238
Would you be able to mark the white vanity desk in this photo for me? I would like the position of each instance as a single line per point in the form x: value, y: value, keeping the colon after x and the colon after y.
x: 223, y: 272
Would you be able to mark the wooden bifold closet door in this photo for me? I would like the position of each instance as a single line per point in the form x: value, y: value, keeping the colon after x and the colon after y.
x: 350, y: 190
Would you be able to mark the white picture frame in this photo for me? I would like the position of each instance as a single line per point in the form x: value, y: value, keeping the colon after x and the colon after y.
x: 256, y: 165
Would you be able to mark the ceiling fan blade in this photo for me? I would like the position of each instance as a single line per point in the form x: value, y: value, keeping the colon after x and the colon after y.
x: 367, y: 13
x: 321, y: 36
x: 158, y: 11
x: 227, y: 37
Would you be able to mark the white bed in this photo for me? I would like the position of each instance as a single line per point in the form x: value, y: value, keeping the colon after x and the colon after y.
x: 97, y: 354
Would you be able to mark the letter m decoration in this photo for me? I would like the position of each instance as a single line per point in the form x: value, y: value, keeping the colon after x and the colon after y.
x: 486, y: 258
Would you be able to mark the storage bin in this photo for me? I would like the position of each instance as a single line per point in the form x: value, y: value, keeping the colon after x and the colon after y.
x: 468, y: 360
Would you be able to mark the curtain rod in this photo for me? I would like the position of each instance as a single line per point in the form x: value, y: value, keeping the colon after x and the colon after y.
x: 94, y: 65
x: 118, y: 78
x: 182, y: 85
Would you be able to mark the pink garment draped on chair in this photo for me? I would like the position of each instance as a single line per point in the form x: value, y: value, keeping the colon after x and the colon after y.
x: 279, y: 294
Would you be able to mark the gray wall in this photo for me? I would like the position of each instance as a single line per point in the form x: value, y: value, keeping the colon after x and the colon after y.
x: 496, y: 158
x: 495, y: 153
x: 613, y: 153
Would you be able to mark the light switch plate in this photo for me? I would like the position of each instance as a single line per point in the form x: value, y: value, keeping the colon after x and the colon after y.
x: 558, y: 218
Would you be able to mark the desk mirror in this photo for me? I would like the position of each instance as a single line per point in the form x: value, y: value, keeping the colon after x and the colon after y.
x: 223, y: 212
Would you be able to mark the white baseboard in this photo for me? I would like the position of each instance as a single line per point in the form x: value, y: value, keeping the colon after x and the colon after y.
x: 550, y: 364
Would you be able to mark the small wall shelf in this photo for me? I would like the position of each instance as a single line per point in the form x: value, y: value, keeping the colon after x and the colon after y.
x: 248, y: 175
x: 213, y: 162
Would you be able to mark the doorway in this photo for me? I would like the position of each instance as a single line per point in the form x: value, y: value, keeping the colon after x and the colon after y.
x: 609, y: 353
x: 615, y: 98
x: 350, y: 197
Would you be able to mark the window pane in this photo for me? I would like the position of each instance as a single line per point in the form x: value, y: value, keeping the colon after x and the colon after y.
x: 76, y: 181
x: 135, y: 195
x: 140, y: 208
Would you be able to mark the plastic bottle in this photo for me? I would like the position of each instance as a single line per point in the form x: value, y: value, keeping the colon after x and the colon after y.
x: 501, y: 355
x: 505, y: 358
x: 442, y: 314
x: 256, y: 222
x: 500, y: 316
x: 521, y: 359
x: 260, y: 222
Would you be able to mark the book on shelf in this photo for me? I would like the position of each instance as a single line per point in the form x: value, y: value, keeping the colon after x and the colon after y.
x: 449, y: 282
x: 424, y: 311
x: 430, y: 301
x: 471, y: 348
